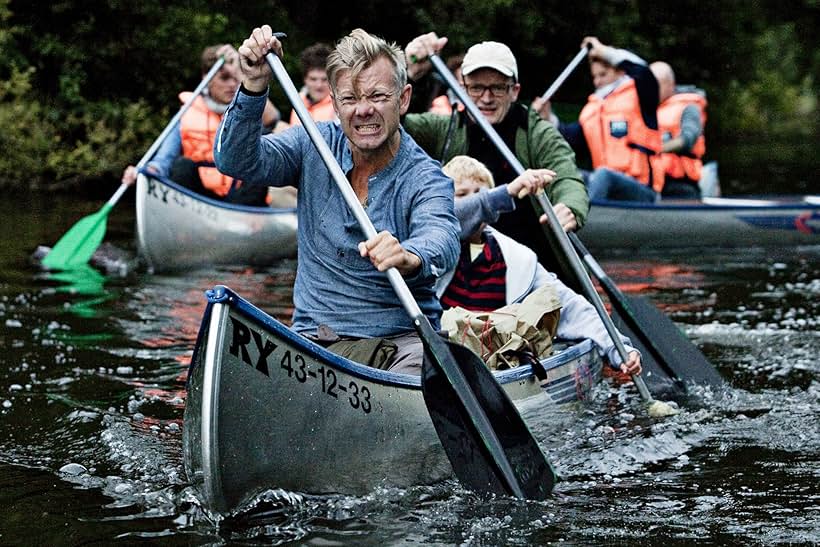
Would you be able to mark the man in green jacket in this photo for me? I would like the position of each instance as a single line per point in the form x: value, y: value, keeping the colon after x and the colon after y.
x: 490, y: 77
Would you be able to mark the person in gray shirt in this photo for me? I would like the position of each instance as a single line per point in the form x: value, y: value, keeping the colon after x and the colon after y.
x: 681, y: 116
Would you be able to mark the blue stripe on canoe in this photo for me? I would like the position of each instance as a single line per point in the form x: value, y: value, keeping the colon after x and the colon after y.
x: 806, y: 223
x: 215, y: 202
x: 223, y: 294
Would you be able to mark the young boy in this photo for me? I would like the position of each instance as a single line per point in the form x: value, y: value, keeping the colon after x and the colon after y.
x: 494, y: 270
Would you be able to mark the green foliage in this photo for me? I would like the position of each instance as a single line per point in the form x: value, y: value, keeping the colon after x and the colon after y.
x: 27, y: 137
x: 109, y: 136
x: 50, y: 148
x: 80, y: 99
x: 779, y: 99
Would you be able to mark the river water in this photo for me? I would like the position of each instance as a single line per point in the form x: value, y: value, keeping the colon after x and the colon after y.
x: 92, y: 394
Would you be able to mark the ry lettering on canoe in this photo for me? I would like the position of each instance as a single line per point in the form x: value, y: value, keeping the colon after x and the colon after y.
x: 166, y: 194
x: 157, y: 191
x: 248, y: 345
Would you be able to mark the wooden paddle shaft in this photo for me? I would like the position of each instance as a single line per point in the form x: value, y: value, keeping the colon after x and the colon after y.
x: 543, y: 201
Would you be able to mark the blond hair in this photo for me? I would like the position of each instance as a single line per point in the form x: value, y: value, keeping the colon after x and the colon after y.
x: 462, y: 167
x: 358, y: 50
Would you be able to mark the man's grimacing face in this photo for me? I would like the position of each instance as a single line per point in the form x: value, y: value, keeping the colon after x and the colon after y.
x: 370, y: 109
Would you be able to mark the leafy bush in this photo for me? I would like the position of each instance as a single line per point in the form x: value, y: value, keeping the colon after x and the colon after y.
x: 52, y: 148
x: 27, y: 136
x: 80, y: 99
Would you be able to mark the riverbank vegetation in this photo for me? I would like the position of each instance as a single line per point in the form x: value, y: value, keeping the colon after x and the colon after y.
x: 85, y: 87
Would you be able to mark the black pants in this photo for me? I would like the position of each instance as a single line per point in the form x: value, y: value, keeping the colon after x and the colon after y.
x: 680, y: 189
x: 184, y: 172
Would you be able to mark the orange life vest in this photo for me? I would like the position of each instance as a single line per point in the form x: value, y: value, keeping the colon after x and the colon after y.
x: 441, y: 105
x: 197, y: 129
x: 320, y: 112
x: 619, y: 139
x: 687, y: 165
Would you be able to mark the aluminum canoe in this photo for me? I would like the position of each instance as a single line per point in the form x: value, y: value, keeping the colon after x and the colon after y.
x: 178, y: 229
x: 711, y: 222
x: 268, y: 409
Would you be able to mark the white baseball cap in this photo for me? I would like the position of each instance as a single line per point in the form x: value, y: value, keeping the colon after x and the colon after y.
x: 494, y: 55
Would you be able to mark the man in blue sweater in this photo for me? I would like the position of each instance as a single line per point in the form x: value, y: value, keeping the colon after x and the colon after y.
x: 340, y: 286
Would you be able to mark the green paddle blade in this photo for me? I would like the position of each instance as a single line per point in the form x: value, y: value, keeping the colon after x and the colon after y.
x: 79, y: 243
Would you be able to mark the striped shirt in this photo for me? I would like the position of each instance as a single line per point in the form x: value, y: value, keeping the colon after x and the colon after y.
x: 480, y: 284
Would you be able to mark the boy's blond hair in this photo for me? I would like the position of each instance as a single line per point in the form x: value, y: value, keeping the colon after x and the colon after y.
x: 461, y: 167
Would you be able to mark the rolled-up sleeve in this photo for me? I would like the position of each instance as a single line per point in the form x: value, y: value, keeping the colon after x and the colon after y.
x: 240, y: 150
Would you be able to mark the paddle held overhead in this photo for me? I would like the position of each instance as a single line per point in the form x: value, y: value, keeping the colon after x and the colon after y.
x: 488, y: 443
x: 77, y: 246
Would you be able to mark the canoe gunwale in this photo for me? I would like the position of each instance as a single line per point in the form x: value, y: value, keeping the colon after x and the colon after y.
x: 209, y: 425
x: 223, y: 294
x: 262, y: 210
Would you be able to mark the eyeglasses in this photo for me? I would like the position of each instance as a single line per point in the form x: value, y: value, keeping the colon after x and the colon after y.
x: 497, y: 90
x: 377, y: 98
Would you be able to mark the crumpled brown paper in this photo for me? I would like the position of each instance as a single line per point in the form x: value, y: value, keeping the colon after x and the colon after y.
x: 529, y: 325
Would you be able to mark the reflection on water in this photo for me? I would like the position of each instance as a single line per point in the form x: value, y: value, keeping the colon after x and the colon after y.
x: 84, y: 282
x: 100, y: 385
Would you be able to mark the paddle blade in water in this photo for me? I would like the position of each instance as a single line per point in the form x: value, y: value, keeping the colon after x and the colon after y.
x: 673, y: 351
x: 659, y: 378
x: 79, y: 243
x: 474, y: 462
x: 671, y: 360
x: 662, y: 409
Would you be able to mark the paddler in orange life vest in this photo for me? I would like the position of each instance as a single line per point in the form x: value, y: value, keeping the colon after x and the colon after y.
x: 681, y: 117
x: 316, y: 91
x: 186, y: 156
x: 443, y: 104
x: 618, y: 126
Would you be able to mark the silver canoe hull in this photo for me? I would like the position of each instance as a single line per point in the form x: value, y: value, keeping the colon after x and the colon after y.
x: 267, y: 409
x: 178, y: 229
x: 713, y: 222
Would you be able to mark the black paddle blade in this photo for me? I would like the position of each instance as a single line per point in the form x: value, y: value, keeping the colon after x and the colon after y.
x: 670, y: 358
x: 474, y: 462
x: 658, y: 378
x: 661, y: 339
